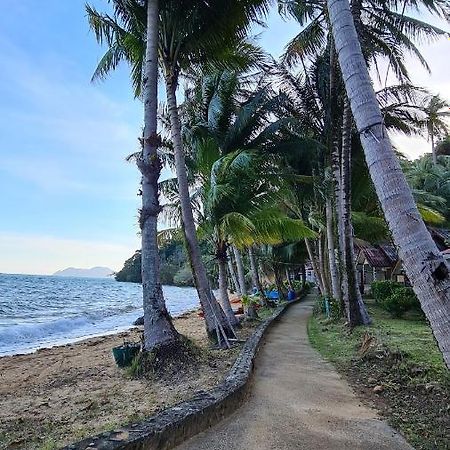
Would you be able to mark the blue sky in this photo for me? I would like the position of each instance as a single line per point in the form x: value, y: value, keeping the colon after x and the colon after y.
x: 68, y: 196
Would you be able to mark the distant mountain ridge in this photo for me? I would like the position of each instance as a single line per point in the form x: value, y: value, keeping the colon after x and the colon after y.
x: 93, y: 272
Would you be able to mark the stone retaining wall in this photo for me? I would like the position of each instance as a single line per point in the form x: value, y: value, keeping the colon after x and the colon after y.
x: 180, y: 422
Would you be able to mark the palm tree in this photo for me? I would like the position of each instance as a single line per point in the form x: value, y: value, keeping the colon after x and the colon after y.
x: 424, y: 265
x: 158, y: 327
x: 191, y: 33
x: 230, y: 135
x: 436, y: 109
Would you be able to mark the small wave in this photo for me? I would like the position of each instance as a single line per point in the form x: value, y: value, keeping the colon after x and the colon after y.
x: 27, y: 333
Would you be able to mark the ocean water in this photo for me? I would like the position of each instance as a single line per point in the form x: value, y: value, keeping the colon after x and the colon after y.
x: 43, y: 311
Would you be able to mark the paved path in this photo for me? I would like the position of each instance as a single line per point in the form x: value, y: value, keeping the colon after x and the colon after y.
x: 298, y: 402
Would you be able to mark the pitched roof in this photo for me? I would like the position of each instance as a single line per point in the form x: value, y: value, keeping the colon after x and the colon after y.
x: 376, y: 257
x: 390, y: 251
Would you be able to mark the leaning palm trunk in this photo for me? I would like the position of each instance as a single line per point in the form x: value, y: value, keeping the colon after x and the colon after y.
x: 232, y: 271
x: 217, y: 325
x: 288, y: 278
x: 255, y: 274
x: 223, y: 289
x: 240, y: 270
x: 424, y: 265
x: 315, y: 266
x: 158, y: 327
x: 356, y: 311
x: 334, y: 275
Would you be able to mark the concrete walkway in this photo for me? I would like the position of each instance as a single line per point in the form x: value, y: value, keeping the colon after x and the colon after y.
x: 298, y: 402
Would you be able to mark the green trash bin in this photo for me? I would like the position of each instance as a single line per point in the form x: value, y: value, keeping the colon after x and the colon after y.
x: 125, y: 354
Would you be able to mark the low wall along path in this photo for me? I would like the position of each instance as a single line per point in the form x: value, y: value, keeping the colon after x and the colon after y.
x: 291, y: 399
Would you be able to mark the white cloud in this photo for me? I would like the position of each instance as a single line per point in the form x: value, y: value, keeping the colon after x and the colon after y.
x: 35, y: 254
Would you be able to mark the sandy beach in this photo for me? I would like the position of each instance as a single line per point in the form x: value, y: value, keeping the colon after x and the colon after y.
x: 58, y: 395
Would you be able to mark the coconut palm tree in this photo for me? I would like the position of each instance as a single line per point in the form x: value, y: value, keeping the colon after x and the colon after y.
x: 158, y: 328
x: 191, y: 33
x: 232, y: 141
x: 424, y: 265
x: 436, y: 110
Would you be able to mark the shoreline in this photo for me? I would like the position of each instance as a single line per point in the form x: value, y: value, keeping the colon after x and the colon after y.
x: 64, y: 393
x: 79, y: 340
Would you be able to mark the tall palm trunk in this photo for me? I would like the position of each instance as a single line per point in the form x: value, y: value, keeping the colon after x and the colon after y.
x: 424, y: 265
x: 232, y: 271
x: 322, y: 270
x: 315, y: 266
x: 334, y: 275
x: 333, y: 149
x: 339, y: 213
x: 356, y: 311
x: 158, y: 327
x: 221, y: 256
x: 255, y: 274
x: 433, y: 149
x: 215, y: 318
x: 240, y: 270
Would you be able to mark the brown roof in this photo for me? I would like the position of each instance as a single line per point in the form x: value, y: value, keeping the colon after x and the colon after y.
x: 390, y: 252
x: 376, y: 257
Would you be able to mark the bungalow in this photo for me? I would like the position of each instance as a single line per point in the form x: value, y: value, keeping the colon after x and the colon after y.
x: 380, y: 262
x: 376, y: 263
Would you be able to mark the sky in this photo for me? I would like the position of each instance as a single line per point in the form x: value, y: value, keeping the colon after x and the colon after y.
x: 68, y: 195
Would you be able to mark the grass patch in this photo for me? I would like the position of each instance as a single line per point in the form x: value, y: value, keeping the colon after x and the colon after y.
x: 402, y: 360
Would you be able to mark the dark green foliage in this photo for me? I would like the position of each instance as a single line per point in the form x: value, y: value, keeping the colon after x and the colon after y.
x: 395, y: 298
x: 174, y: 268
x: 131, y: 270
x: 401, y: 300
x: 383, y: 289
x: 334, y: 308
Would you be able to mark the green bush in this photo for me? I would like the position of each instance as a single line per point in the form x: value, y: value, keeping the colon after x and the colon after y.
x: 401, y: 300
x: 381, y: 290
x: 335, y: 307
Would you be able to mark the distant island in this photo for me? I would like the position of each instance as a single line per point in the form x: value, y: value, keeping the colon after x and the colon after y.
x: 94, y: 272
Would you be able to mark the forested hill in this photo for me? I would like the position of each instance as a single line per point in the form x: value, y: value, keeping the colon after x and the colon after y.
x: 174, y: 269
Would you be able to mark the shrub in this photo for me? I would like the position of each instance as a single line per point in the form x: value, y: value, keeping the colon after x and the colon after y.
x: 401, y: 300
x: 335, y: 310
x: 381, y: 290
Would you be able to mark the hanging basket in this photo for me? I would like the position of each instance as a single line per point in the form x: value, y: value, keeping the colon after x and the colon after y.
x: 125, y: 354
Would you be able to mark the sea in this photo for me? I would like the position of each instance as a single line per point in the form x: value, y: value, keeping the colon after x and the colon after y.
x: 44, y: 311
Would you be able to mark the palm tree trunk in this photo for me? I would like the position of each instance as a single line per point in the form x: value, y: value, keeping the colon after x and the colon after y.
x: 158, y: 327
x: 279, y: 283
x: 424, y: 265
x: 356, y: 311
x: 288, y: 278
x: 223, y: 288
x: 240, y: 270
x: 215, y: 318
x: 322, y: 271
x: 334, y: 275
x: 233, y: 273
x: 255, y: 274
x: 315, y: 266
x: 433, y: 149
x: 339, y: 212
